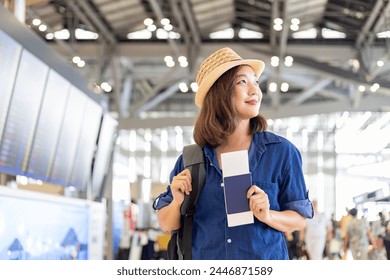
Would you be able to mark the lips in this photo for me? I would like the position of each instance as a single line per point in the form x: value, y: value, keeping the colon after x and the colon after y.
x: 252, y: 101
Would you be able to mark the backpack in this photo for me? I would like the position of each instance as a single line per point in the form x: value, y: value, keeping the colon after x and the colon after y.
x: 180, y: 244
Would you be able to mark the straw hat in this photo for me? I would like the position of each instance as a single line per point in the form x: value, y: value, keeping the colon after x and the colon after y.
x: 217, y: 64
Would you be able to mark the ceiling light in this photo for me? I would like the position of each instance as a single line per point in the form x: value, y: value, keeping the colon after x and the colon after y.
x: 227, y: 33
x: 310, y: 33
x: 278, y: 27
x: 148, y: 21
x: 81, y: 63
x: 278, y: 21
x: 62, y: 34
x: 380, y: 63
x: 275, y: 61
x: 374, y: 87
x: 288, y: 61
x: 152, y: 27
x: 168, y: 27
x: 174, y: 35
x: 249, y: 34
x: 82, y: 34
x: 295, y: 21
x: 183, y: 61
x: 183, y: 87
x: 168, y: 58
x: 284, y: 87
x: 183, y: 64
x: 194, y: 87
x: 182, y: 58
x: 165, y: 21
x: 161, y: 34
x: 49, y: 36
x: 36, y: 21
x: 272, y: 87
x: 384, y: 34
x: 106, y: 87
x: 42, y: 27
x: 76, y: 59
x: 140, y: 35
x: 332, y: 34
x: 170, y: 64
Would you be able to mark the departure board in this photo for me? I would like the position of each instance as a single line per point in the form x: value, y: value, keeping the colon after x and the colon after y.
x: 9, y: 58
x: 103, y: 153
x: 82, y: 167
x: 49, y: 127
x: 22, y: 114
x: 69, y: 137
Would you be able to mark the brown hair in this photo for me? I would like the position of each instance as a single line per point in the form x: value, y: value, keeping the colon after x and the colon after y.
x: 217, y: 118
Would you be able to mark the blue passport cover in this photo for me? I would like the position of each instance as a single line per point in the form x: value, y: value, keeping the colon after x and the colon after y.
x: 235, y: 193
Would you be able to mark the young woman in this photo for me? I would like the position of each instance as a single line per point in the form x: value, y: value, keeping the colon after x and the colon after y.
x: 229, y: 99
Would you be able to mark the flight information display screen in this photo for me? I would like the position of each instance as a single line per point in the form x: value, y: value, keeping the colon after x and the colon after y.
x: 9, y: 59
x: 103, y: 154
x: 87, y: 145
x: 69, y: 137
x: 22, y: 114
x: 48, y: 129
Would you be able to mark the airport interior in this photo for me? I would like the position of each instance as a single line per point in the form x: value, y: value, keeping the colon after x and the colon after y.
x: 77, y: 180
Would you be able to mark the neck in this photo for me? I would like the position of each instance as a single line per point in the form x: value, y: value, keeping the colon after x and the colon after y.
x: 240, y: 139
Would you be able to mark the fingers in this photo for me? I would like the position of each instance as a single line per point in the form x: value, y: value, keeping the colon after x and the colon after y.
x: 253, y: 190
x: 182, y: 182
x: 258, y: 199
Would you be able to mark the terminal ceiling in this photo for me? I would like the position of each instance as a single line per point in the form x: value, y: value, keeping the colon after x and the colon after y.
x: 344, y: 66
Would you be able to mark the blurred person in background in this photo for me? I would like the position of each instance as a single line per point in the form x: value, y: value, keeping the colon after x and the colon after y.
x: 358, y: 237
x: 343, y: 226
x: 316, y: 232
x: 386, y: 239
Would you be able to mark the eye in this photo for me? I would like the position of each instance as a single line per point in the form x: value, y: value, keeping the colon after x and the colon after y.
x: 241, y: 82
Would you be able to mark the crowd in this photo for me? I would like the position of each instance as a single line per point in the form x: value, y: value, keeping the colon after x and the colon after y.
x: 351, y: 237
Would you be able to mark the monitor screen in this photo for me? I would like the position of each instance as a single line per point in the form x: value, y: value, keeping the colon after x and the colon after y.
x: 103, y: 154
x: 22, y: 114
x: 69, y: 137
x: 49, y: 127
x: 9, y: 58
x: 81, y: 170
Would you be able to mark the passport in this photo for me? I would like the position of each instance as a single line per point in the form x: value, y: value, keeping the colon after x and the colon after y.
x: 237, y: 180
x: 235, y: 193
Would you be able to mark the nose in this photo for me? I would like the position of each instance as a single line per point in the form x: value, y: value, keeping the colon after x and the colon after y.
x: 255, y: 88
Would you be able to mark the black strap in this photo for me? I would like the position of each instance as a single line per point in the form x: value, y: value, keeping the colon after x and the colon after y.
x: 194, y: 161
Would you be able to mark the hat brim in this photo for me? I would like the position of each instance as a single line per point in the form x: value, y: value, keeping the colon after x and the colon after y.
x: 209, y: 80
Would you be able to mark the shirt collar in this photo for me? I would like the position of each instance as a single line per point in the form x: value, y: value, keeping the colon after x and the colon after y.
x: 257, y: 148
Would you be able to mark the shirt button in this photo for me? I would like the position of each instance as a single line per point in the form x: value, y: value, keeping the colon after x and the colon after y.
x: 229, y: 241
x: 222, y: 185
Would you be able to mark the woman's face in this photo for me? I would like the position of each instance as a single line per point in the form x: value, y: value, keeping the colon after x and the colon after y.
x: 247, y: 93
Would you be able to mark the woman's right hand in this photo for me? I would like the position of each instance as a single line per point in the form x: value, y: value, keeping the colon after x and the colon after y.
x: 180, y: 185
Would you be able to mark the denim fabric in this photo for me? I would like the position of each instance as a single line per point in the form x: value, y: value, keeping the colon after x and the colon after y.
x: 276, y: 167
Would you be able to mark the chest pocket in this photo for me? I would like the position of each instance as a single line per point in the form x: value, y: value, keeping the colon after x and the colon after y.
x: 272, y: 190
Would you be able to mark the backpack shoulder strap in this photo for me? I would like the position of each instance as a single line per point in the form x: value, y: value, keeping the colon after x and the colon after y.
x: 194, y: 161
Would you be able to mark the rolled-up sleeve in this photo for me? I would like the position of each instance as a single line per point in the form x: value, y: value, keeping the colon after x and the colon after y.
x: 163, y: 199
x: 303, y: 207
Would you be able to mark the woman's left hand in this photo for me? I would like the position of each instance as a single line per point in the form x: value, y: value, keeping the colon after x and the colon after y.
x: 259, y: 203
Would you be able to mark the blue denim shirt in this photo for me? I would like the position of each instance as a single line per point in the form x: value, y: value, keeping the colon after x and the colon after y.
x: 275, y: 164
